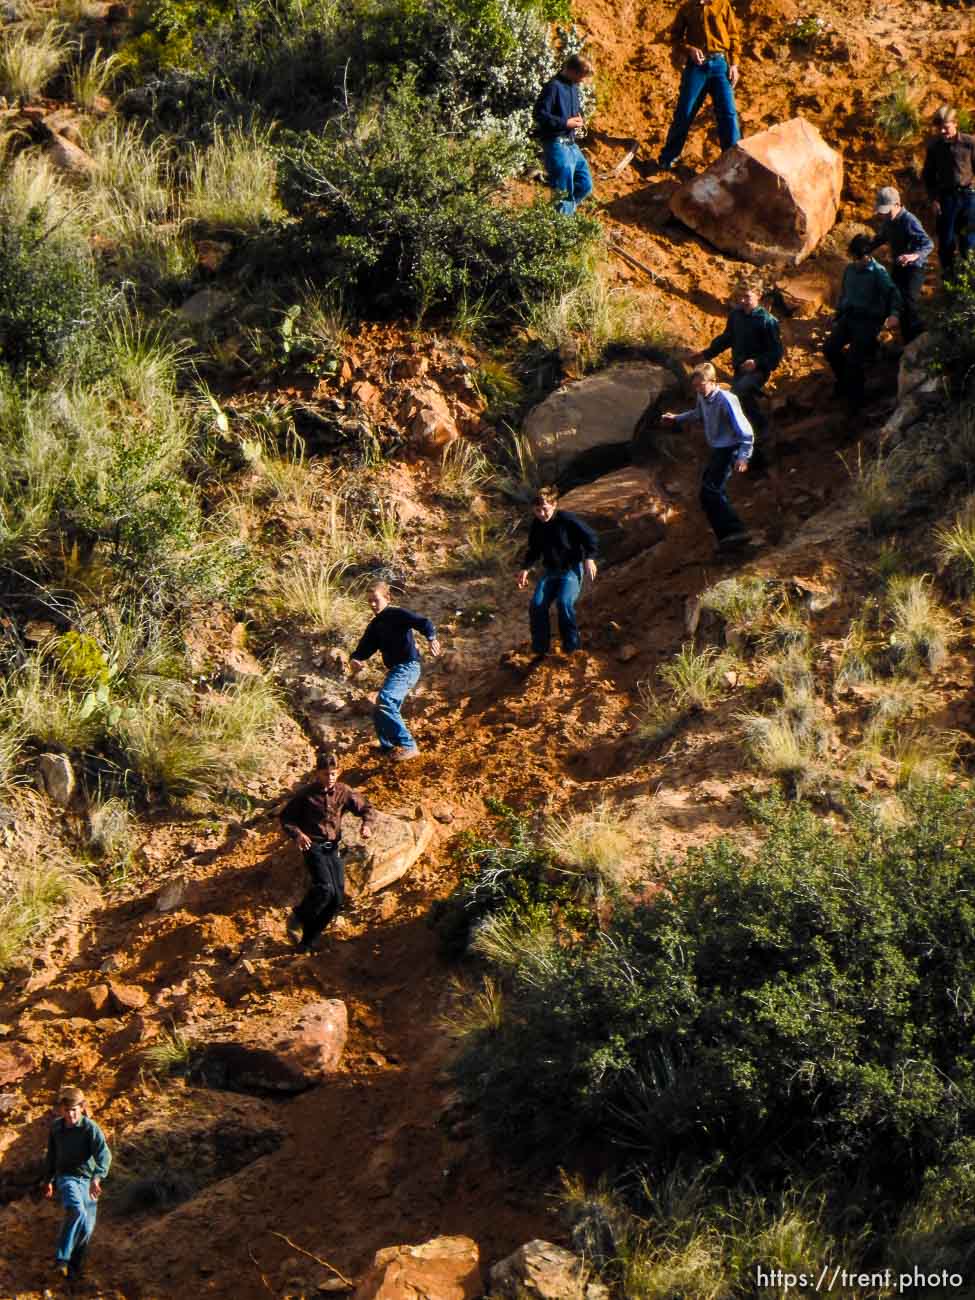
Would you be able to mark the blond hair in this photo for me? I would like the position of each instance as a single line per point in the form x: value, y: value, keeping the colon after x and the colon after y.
x: 704, y: 371
x: 945, y: 114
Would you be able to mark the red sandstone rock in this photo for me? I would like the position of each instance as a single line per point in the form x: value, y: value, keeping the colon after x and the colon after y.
x: 625, y: 508
x: 16, y: 1060
x: 446, y: 1268
x: 280, y: 1053
x: 770, y: 199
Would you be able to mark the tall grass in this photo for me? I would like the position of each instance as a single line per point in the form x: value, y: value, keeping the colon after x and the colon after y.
x: 898, y: 115
x: 956, y: 548
x: 312, y: 592
x: 30, y: 56
x: 233, y: 182
x: 921, y: 628
x: 586, y: 321
x: 695, y: 677
x: 597, y: 845
x: 44, y: 881
x: 91, y: 78
x: 464, y: 469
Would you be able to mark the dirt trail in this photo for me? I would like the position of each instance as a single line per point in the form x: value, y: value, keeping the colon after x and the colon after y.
x: 382, y: 1154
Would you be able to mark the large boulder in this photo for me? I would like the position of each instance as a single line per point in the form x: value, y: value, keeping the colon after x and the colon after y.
x: 770, y: 199
x: 395, y: 844
x: 446, y: 1268
x: 279, y: 1053
x: 590, y: 423
x: 540, y: 1270
x: 626, y: 509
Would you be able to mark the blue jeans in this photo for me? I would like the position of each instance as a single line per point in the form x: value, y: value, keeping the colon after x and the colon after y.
x: 390, y: 727
x: 698, y: 80
x: 563, y: 588
x: 955, y: 226
x: 568, y: 171
x: 714, y: 492
x: 79, y: 1219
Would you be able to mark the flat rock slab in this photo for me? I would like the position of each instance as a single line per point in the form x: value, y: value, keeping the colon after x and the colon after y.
x: 770, y: 199
x: 589, y: 418
x: 626, y: 509
x: 395, y: 844
x: 283, y: 1053
x: 446, y: 1268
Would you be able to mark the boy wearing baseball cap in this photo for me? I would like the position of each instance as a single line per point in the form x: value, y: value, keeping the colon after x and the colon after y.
x: 910, y: 248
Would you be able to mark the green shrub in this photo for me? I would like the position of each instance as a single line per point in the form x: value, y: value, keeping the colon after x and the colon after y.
x: 402, y: 215
x: 790, y: 1007
x: 954, y: 330
x: 49, y: 295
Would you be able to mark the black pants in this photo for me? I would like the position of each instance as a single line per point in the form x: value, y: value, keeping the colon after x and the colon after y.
x: 325, y: 898
x: 910, y: 281
x: 714, y: 492
x: 850, y: 364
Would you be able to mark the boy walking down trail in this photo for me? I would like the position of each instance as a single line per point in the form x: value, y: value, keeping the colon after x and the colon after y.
x: 313, y: 819
x: 869, y: 302
x: 730, y: 437
x: 567, y: 548
x: 558, y: 116
x: 910, y: 248
x: 756, y: 349
x: 391, y: 633
x: 78, y: 1161
x: 707, y: 32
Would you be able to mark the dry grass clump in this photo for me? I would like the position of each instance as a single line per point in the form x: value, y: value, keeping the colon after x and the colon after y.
x: 855, y: 663
x: 898, y: 114
x: 598, y: 845
x: 30, y: 56
x: 956, y: 549
x: 233, y: 182
x: 472, y: 1011
x: 921, y: 629
x: 487, y: 547
x: 171, y: 1053
x: 746, y: 604
x: 312, y: 592
x: 464, y: 470
x: 92, y: 77
x: 520, y: 474
x: 789, y: 742
x: 583, y: 323
x: 879, y: 487
x: 695, y: 677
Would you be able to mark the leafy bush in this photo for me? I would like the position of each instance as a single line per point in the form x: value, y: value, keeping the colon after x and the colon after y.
x: 403, y: 217
x: 48, y: 292
x: 791, y: 1007
x: 954, y: 332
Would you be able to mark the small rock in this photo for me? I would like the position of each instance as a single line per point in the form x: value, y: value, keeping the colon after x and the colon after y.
x: 38, y: 629
x: 334, y: 1285
x: 8, y: 1102
x: 127, y: 997
x: 446, y: 1268
x: 96, y: 1000
x: 170, y: 896
x: 539, y: 1270
x: 212, y: 253
x: 366, y: 393
x: 443, y: 812
x: 58, y: 777
x: 110, y: 963
x: 205, y: 306
x: 67, y: 157
x: 627, y: 652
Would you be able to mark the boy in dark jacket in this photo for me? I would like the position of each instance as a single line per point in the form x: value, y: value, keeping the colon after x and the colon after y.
x: 949, y: 178
x: 313, y: 819
x: 910, y: 248
x: 558, y: 116
x: 78, y: 1161
x: 567, y: 549
x: 869, y: 302
x: 391, y: 633
x: 756, y: 349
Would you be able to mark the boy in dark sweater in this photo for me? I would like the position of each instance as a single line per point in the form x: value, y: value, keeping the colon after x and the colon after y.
x: 756, y: 349
x: 78, y: 1161
x: 869, y: 302
x: 313, y: 819
x: 391, y: 633
x: 567, y: 549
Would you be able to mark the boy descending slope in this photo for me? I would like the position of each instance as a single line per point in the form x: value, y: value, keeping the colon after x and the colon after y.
x: 78, y: 1161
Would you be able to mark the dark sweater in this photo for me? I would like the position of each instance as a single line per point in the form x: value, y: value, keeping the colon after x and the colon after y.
x: 905, y: 234
x: 77, y: 1152
x: 391, y: 633
x: 561, y: 543
x: 868, y: 293
x: 317, y: 812
x: 949, y: 165
x: 752, y: 336
x: 559, y: 100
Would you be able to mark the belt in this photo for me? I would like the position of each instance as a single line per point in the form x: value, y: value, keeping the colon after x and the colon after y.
x: 330, y: 846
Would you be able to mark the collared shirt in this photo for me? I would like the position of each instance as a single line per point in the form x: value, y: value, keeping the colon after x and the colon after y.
x: 559, y: 100
x: 391, y: 633
x: 905, y: 234
x: 562, y: 542
x: 78, y: 1151
x: 752, y: 336
x: 317, y: 812
x: 949, y: 164
x: 725, y: 423
x: 711, y: 26
x: 868, y: 292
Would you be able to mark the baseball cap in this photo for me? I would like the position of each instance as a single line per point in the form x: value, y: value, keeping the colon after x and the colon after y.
x: 887, y: 199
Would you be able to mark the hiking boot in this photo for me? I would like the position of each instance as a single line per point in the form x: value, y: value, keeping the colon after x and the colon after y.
x: 731, y: 540
x: 404, y: 754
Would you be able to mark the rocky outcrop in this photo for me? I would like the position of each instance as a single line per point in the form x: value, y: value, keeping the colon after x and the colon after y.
x: 395, y: 844
x: 541, y: 1271
x: 446, y: 1268
x: 588, y: 425
x: 918, y: 390
x: 770, y: 199
x: 281, y: 1053
x: 625, y: 508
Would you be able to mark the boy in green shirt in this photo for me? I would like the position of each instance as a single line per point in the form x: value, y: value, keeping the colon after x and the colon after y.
x: 869, y: 302
x: 78, y: 1160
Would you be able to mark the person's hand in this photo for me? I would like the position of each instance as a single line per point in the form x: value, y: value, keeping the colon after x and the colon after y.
x: 436, y: 649
x: 356, y: 666
x: 669, y: 416
x: 95, y: 1189
x: 748, y: 365
x: 890, y: 323
x: 733, y: 75
x: 936, y: 208
x: 590, y: 567
x: 696, y: 54
x: 303, y: 841
x: 576, y: 122
x: 906, y: 259
x: 523, y: 579
x: 366, y: 831
x: 741, y: 467
x: 48, y: 1191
